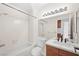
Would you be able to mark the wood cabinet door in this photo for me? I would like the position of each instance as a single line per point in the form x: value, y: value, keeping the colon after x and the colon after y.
x: 65, y: 53
x: 51, y: 51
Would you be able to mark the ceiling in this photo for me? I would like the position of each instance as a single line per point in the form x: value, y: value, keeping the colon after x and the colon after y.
x: 37, y: 9
x: 30, y: 8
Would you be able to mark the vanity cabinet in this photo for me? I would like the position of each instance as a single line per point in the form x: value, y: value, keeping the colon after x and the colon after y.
x: 50, y: 49
x: 53, y: 51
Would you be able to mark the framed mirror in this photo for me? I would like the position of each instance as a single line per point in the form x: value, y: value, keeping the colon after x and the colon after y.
x: 47, y: 27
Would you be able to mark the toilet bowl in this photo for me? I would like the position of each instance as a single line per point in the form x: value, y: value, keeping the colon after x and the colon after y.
x: 36, y: 51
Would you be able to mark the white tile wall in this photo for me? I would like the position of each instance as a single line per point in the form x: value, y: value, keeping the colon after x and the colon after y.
x: 13, y: 29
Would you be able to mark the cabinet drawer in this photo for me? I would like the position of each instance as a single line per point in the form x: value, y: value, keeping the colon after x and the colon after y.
x: 51, y: 51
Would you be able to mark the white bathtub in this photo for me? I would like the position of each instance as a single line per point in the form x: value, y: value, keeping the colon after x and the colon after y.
x: 23, y: 50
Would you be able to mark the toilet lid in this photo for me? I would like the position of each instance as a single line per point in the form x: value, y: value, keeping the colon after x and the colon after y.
x: 40, y: 41
x: 36, y: 51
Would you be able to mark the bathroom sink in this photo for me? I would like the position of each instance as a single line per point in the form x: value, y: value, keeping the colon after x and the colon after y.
x: 62, y: 45
x: 68, y: 44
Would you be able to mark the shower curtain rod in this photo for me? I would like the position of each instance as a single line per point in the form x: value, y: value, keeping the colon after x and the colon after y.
x: 18, y: 10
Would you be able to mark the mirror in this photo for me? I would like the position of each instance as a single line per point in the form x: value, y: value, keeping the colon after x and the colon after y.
x: 77, y: 27
x: 65, y: 30
x: 47, y: 27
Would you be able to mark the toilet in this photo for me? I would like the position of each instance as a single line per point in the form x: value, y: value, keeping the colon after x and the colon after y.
x: 38, y: 48
x: 36, y: 51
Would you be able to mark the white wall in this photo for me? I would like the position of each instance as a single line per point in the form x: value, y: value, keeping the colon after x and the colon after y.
x: 13, y: 29
x: 31, y: 9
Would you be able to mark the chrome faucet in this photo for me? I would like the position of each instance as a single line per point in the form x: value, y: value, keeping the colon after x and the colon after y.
x: 76, y: 48
x: 65, y: 40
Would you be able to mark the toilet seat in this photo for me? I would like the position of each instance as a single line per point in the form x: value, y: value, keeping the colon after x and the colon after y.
x: 36, y: 51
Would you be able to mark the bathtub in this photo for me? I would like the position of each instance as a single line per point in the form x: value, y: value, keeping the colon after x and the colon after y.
x: 23, y: 50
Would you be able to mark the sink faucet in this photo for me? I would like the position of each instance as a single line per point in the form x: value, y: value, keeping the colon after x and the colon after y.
x: 65, y: 40
x: 76, y: 48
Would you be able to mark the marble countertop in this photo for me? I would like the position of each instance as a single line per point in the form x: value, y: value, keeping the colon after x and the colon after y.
x: 61, y: 45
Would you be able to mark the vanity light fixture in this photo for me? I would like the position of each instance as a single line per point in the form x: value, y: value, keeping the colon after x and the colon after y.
x: 52, y: 12
x: 55, y: 11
